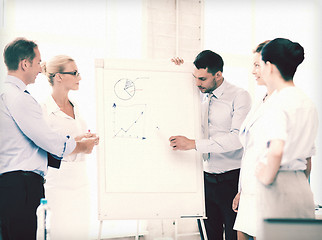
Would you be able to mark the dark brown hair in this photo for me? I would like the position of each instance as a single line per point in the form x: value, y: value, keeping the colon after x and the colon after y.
x: 285, y: 55
x: 18, y: 50
x: 209, y: 59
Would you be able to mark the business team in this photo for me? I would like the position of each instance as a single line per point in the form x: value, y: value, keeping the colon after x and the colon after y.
x: 285, y: 140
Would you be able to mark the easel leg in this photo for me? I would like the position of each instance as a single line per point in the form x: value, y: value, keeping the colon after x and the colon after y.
x: 203, y: 229
x: 175, y: 222
x: 137, y: 229
x: 100, y: 230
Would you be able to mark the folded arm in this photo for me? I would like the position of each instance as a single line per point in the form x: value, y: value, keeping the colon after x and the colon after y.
x: 266, y: 173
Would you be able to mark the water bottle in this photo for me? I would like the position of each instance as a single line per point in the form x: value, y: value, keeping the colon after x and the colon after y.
x: 43, y: 220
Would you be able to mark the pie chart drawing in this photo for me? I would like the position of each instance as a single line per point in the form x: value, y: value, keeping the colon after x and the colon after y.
x: 124, y: 89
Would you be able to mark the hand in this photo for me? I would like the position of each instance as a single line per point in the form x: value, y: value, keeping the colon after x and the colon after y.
x: 261, y: 173
x: 80, y: 137
x: 182, y: 143
x: 236, y: 202
x: 89, y: 135
x: 89, y: 143
x: 85, y: 135
x: 177, y: 60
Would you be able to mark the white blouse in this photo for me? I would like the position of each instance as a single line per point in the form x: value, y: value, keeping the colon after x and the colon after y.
x: 64, y: 124
x: 291, y: 117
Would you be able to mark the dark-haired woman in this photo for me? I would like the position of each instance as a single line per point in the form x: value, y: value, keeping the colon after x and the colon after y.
x: 289, y: 129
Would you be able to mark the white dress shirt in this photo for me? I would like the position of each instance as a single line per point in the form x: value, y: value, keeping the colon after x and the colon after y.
x: 227, y: 110
x: 25, y: 137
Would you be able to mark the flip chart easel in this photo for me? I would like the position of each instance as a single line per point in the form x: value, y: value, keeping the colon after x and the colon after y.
x: 140, y: 104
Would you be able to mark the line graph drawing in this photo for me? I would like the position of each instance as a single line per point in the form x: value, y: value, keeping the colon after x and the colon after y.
x: 125, y: 88
x: 129, y: 121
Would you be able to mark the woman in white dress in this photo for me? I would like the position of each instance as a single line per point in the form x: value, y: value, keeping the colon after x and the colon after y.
x: 244, y: 202
x: 286, y: 139
x: 67, y: 188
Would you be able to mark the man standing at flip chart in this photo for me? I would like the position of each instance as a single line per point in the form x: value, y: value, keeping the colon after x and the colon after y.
x: 224, y: 108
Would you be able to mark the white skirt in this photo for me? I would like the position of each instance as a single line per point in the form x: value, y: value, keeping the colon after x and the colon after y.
x: 246, y: 216
x: 67, y: 192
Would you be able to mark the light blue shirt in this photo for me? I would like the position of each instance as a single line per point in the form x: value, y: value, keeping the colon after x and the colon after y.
x: 25, y: 137
x: 227, y: 110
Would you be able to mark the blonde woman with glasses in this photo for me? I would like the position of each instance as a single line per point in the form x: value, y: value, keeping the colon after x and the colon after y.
x: 67, y: 188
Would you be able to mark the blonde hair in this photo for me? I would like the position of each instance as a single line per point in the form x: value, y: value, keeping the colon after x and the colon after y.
x: 55, y: 65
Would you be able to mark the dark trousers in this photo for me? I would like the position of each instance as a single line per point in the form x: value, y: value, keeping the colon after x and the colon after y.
x: 220, y: 190
x: 20, y: 194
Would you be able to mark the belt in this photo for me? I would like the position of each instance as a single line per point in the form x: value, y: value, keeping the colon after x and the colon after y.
x: 24, y: 174
x: 221, y: 177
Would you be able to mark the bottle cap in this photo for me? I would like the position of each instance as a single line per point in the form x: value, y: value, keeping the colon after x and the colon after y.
x: 43, y: 201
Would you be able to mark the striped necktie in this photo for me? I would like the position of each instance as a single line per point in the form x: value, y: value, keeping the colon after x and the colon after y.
x: 206, y: 124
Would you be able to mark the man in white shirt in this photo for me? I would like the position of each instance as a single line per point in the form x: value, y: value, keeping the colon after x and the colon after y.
x: 25, y: 142
x: 224, y: 108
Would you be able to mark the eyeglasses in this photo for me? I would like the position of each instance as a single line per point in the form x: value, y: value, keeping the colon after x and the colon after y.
x: 75, y: 73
